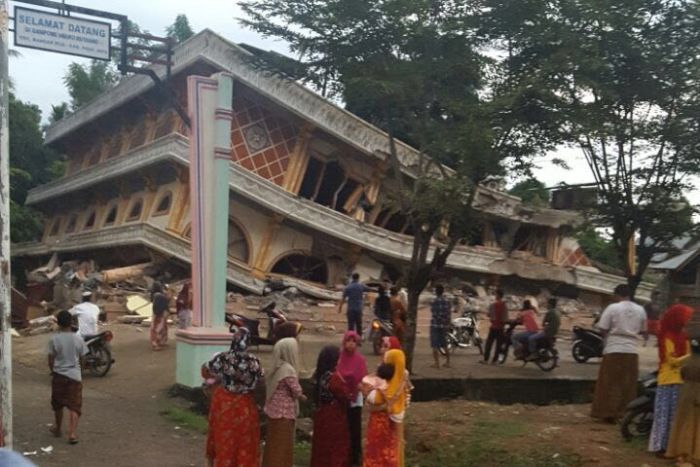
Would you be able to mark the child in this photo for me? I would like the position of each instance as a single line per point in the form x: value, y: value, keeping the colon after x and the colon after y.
x: 684, y: 442
x: 373, y: 383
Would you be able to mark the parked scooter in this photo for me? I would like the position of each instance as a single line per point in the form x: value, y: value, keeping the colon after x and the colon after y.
x: 275, y: 318
x: 463, y: 333
x: 379, y: 329
x: 99, y: 359
x: 588, y: 343
x: 639, y: 414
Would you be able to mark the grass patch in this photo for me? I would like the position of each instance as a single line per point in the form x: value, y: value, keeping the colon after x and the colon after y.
x: 186, y: 419
x: 488, y: 444
x: 302, y: 453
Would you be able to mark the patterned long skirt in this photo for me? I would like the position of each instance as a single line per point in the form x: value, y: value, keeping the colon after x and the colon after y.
x: 233, y: 439
x: 383, y: 442
x: 664, y: 411
x: 685, y: 434
x: 159, y: 331
x: 616, y: 385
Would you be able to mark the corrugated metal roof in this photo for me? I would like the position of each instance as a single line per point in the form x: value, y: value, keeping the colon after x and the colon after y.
x: 677, y: 262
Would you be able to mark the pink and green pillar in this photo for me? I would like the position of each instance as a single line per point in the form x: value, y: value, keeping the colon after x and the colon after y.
x: 209, y: 106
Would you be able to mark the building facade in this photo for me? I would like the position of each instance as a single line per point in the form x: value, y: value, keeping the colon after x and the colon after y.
x: 308, y: 181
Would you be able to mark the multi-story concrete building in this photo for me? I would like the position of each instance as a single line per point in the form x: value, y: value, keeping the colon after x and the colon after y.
x: 308, y: 190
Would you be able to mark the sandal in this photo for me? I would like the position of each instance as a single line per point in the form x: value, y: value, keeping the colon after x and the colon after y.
x: 72, y: 440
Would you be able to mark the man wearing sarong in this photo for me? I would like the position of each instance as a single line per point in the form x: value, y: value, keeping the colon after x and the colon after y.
x: 621, y: 323
x: 66, y: 350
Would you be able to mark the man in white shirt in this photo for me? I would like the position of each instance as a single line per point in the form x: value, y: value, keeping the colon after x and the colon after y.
x: 621, y: 323
x: 88, y: 314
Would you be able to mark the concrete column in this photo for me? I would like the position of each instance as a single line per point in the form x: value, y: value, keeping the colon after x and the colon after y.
x: 209, y: 105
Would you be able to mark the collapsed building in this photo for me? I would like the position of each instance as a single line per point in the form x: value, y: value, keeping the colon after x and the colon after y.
x: 309, y: 192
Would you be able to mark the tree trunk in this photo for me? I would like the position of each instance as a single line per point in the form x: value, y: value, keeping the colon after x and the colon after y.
x: 418, y: 276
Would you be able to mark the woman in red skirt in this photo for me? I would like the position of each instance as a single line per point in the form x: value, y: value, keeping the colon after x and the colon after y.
x: 331, y: 437
x: 234, y: 429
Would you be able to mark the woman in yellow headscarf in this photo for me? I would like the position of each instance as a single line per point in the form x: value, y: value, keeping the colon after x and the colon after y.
x: 385, y: 444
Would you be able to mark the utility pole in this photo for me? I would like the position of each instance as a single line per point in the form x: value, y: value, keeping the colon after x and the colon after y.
x: 5, y: 285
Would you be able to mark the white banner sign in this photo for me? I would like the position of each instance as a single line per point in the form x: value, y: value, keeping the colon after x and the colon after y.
x: 63, y: 34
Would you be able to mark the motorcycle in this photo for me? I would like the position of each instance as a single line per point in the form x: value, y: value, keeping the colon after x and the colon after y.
x: 275, y: 319
x: 379, y: 329
x: 639, y: 414
x: 463, y: 333
x: 588, y: 344
x: 546, y: 357
x: 99, y: 359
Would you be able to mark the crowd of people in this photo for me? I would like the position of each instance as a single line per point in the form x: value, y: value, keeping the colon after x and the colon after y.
x: 675, y: 431
x: 342, y: 386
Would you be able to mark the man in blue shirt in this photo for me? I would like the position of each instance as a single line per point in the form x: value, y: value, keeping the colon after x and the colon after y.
x: 354, y: 294
x: 440, y: 310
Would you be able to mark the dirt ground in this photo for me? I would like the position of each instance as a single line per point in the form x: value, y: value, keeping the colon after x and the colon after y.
x: 123, y: 422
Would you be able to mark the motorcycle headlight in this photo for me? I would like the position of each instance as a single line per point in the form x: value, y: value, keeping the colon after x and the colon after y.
x: 375, y: 325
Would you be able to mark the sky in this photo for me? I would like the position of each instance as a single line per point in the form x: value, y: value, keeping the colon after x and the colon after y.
x: 38, y: 75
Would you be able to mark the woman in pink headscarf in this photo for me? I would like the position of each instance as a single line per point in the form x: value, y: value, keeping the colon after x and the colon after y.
x: 352, y: 368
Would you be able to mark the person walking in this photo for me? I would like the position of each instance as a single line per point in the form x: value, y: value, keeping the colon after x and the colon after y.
x: 159, y: 320
x: 66, y: 351
x: 684, y: 441
x: 88, y: 315
x: 498, y: 315
x: 233, y: 438
x: 183, y: 306
x: 352, y: 367
x: 674, y: 349
x: 354, y: 295
x: 440, y: 314
x: 398, y: 313
x: 330, y: 444
x: 621, y: 324
x: 283, y: 394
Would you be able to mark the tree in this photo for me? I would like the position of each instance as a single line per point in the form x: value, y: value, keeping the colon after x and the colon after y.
x: 532, y: 192
x: 598, y: 249
x: 621, y: 83
x: 412, y: 67
x: 31, y: 164
x: 180, y: 30
x: 86, y: 82
x: 58, y: 112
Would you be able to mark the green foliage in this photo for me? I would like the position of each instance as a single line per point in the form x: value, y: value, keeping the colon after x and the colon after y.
x: 597, y: 248
x: 58, y: 112
x: 180, y: 30
x: 31, y: 164
x: 86, y: 82
x: 531, y: 192
x: 487, y: 444
x: 186, y: 419
x: 620, y: 81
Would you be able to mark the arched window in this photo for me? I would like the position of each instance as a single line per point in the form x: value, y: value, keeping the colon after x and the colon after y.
x: 111, y: 216
x: 90, y: 222
x: 72, y: 222
x: 54, y: 228
x: 163, y: 206
x: 302, y: 266
x: 237, y: 243
x: 135, y: 211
